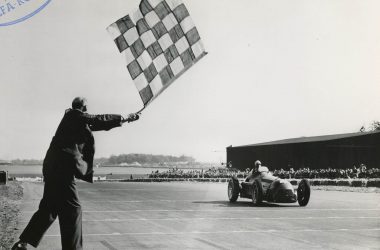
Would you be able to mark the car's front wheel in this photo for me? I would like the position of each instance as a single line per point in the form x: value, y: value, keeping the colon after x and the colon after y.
x: 303, y: 192
x: 233, y: 189
x: 257, y: 193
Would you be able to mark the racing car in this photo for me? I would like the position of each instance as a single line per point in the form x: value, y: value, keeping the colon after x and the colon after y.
x: 263, y: 186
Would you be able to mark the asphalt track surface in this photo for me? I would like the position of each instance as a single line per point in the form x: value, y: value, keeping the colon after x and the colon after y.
x: 198, y: 216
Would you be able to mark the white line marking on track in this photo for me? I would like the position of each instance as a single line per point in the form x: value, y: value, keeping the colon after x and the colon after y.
x: 136, y: 201
x: 223, y: 210
x: 114, y: 189
x: 228, y: 232
x: 128, y: 189
x: 226, y: 218
x: 121, y: 201
x: 249, y: 209
x: 223, y: 218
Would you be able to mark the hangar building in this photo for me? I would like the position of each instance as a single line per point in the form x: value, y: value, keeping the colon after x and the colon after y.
x: 335, y: 151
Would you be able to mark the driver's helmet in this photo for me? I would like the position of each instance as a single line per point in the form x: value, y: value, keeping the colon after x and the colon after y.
x: 257, y: 164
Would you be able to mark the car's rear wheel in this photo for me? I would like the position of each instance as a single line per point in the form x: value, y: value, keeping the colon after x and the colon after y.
x: 257, y: 193
x: 303, y: 192
x: 233, y: 189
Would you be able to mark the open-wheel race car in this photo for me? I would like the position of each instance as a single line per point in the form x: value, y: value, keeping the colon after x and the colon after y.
x: 263, y: 186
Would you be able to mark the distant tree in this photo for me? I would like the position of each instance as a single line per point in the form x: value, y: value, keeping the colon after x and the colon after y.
x: 375, y: 126
x: 362, y: 129
x: 144, y: 159
x: 26, y: 162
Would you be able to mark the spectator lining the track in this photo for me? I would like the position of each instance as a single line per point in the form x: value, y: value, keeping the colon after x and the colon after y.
x: 328, y: 173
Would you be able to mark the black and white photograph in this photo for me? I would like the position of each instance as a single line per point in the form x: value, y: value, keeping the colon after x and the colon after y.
x: 189, y: 124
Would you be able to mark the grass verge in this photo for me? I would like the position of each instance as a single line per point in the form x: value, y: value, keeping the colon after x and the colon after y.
x: 10, y: 199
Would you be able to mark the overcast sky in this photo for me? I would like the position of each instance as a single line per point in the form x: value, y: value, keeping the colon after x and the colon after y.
x: 275, y: 70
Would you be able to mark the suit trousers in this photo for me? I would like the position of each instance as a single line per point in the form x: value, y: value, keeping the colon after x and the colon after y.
x: 60, y: 198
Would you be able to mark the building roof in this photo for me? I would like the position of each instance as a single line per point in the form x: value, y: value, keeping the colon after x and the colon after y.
x: 312, y: 139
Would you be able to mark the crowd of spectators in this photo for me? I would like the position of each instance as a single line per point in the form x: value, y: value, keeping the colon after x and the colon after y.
x: 329, y: 173
x: 194, y: 173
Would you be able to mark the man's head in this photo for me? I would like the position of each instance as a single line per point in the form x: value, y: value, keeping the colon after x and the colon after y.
x: 79, y: 103
x: 257, y: 164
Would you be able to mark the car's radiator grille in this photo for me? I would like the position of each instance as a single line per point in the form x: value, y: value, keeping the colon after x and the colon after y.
x: 285, y: 195
x: 285, y: 192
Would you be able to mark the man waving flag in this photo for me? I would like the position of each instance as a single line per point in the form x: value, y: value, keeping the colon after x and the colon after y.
x: 159, y: 42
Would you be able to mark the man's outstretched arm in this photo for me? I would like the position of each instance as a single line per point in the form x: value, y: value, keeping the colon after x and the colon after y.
x: 107, y: 122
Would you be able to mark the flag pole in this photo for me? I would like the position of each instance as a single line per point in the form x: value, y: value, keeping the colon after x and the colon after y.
x: 139, y: 112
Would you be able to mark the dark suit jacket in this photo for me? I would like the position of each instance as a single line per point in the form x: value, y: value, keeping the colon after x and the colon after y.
x: 72, y: 149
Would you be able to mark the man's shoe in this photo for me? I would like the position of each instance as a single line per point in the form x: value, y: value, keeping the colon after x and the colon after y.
x: 19, y: 246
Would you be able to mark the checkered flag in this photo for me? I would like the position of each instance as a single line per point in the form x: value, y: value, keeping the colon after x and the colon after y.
x: 159, y: 42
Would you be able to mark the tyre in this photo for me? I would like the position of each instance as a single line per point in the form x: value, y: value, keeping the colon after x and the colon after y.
x: 233, y: 189
x: 257, y: 192
x: 303, y: 192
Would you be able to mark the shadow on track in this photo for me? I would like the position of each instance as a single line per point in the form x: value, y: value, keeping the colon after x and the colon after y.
x: 242, y: 204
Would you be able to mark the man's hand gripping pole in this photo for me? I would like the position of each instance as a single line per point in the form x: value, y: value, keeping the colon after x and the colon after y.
x: 131, y: 117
